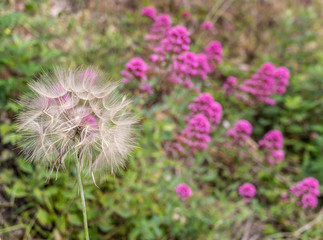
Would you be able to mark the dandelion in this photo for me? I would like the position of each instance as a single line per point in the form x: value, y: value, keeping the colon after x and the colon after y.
x: 76, y: 113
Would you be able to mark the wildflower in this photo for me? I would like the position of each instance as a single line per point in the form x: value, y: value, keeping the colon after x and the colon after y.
x: 70, y: 114
x: 230, y: 85
x: 266, y: 82
x: 272, y: 143
x: 146, y: 88
x: 149, y: 12
x: 183, y: 191
x: 307, y: 192
x: 160, y: 28
x: 136, y: 69
x: 240, y: 132
x: 177, y: 40
x: 186, y: 14
x: 206, y: 105
x: 193, y: 138
x: 207, y: 25
x: 247, y: 191
x: 214, y: 53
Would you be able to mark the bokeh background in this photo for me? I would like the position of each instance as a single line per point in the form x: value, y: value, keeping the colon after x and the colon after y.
x: 139, y: 202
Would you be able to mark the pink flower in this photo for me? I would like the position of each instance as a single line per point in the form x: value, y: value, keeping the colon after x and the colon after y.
x: 183, y: 191
x: 309, y: 200
x: 206, y: 105
x: 136, y: 69
x: 272, y: 143
x: 214, y: 53
x: 230, y: 85
x: 207, y: 25
x: 247, y: 191
x: 160, y: 28
x: 240, y: 132
x: 186, y: 14
x: 146, y: 88
x: 307, y: 192
x: 89, y: 75
x: 194, y: 137
x: 177, y: 40
x: 266, y: 82
x: 90, y: 123
x: 149, y: 12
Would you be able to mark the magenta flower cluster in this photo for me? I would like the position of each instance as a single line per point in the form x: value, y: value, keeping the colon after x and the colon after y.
x: 247, y: 191
x: 194, y: 137
x: 183, y: 191
x: 240, y: 132
x: 230, y: 85
x: 263, y: 85
x: 170, y: 58
x: 306, y: 192
x: 149, y: 12
x: 136, y: 72
x: 206, y: 105
x: 272, y: 143
x: 207, y: 25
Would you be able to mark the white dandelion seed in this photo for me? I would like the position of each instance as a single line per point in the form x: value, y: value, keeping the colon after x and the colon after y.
x: 76, y: 112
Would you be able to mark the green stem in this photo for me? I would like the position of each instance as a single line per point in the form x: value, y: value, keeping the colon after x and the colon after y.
x: 79, y: 179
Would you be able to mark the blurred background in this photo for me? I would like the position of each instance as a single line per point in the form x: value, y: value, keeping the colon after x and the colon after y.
x: 139, y: 202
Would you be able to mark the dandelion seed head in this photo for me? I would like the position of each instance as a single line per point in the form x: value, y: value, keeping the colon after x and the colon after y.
x: 76, y: 113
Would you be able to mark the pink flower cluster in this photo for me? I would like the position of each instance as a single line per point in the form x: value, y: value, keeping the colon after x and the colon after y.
x: 183, y: 191
x: 265, y: 83
x: 306, y: 191
x: 214, y: 53
x: 177, y: 41
x: 247, y: 191
x: 149, y: 12
x: 171, y: 59
x: 194, y: 137
x: 230, y: 85
x: 240, y: 132
x: 160, y: 27
x: 136, y: 70
x: 272, y: 143
x: 207, y: 25
x: 206, y: 105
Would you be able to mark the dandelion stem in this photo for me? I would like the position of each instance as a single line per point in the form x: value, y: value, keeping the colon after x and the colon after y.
x: 79, y: 179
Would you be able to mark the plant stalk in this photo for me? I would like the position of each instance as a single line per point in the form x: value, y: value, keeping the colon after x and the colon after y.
x: 79, y: 180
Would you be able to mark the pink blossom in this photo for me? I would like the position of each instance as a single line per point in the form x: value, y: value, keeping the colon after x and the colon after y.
x: 177, y: 40
x: 160, y: 28
x: 194, y: 137
x: 266, y: 82
x: 146, y: 88
x: 186, y: 14
x: 230, y: 85
x: 306, y: 191
x: 272, y: 143
x: 136, y: 69
x: 247, y: 191
x: 207, y: 25
x: 90, y: 122
x: 214, y: 52
x: 206, y: 105
x: 89, y: 75
x: 149, y: 12
x: 240, y: 132
x: 309, y: 200
x: 183, y: 191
